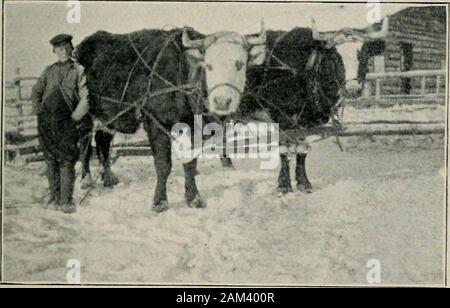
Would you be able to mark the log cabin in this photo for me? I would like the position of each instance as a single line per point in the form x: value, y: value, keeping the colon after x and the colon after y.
x: 417, y: 40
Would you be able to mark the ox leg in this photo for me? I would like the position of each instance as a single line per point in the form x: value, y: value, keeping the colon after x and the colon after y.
x: 192, y: 195
x: 86, y: 154
x: 225, y: 160
x: 162, y: 157
x: 284, y: 179
x: 85, y: 130
x: 103, y: 141
x: 303, y: 183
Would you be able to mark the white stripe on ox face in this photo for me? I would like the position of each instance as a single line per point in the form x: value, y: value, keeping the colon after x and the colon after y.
x: 349, y: 54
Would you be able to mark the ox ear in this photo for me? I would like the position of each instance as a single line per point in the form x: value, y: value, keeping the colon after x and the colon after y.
x: 195, y: 55
x: 257, y: 55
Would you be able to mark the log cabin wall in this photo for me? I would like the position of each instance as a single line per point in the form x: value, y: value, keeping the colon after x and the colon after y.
x: 423, y: 30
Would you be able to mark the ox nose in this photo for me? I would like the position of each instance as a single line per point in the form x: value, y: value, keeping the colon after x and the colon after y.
x: 222, y: 103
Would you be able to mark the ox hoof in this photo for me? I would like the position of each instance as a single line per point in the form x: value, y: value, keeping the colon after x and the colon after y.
x: 305, y: 188
x: 197, y: 203
x: 285, y: 189
x: 109, y: 179
x: 160, y: 207
x: 86, y: 182
x: 227, y: 163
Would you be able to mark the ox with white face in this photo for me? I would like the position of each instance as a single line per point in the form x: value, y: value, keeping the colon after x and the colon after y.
x: 349, y: 52
x: 349, y: 42
x: 225, y: 57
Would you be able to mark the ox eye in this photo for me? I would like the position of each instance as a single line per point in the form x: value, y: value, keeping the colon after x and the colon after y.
x: 209, y: 67
x: 239, y: 65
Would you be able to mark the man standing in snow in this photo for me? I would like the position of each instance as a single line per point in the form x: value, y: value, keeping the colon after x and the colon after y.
x: 60, y: 100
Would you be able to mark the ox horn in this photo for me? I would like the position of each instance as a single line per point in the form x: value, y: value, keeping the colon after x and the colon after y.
x: 318, y: 35
x: 373, y: 35
x: 188, y: 43
x: 347, y: 34
x: 260, y: 39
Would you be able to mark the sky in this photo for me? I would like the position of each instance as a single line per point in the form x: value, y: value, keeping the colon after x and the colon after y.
x: 30, y: 25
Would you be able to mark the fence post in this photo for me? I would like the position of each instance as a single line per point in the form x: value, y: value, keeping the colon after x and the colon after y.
x: 17, y: 83
x: 438, y: 84
x: 367, y: 92
x: 378, y: 88
x: 19, y: 104
x: 423, y: 85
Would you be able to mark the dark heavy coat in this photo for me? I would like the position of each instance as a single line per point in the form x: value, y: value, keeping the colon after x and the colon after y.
x: 55, y: 97
x: 307, y: 96
x: 114, y: 70
x: 58, y: 135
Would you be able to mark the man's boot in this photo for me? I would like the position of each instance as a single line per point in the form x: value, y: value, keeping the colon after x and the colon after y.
x: 67, y: 187
x: 53, y: 176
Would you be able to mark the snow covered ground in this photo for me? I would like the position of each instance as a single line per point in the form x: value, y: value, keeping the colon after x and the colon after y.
x: 383, y: 198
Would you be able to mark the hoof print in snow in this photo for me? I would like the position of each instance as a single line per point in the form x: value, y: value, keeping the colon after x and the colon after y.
x: 160, y: 207
x: 197, y: 203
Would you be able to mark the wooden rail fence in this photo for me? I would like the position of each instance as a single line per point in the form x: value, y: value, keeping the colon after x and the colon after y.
x: 422, y: 74
x: 21, y: 125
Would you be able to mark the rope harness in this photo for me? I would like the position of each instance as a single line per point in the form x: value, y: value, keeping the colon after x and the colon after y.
x: 225, y: 84
x: 194, y: 90
x: 315, y: 86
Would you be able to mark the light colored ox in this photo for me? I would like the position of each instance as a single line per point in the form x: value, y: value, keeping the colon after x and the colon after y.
x: 225, y: 57
x: 348, y: 42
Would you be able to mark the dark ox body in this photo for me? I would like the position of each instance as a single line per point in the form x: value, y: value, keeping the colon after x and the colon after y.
x: 108, y: 60
x: 308, y: 97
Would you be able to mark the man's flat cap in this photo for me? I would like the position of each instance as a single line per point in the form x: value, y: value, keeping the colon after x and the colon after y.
x: 61, y: 39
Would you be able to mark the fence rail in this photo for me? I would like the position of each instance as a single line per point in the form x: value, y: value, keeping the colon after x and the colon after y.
x: 422, y: 74
x: 22, y: 127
